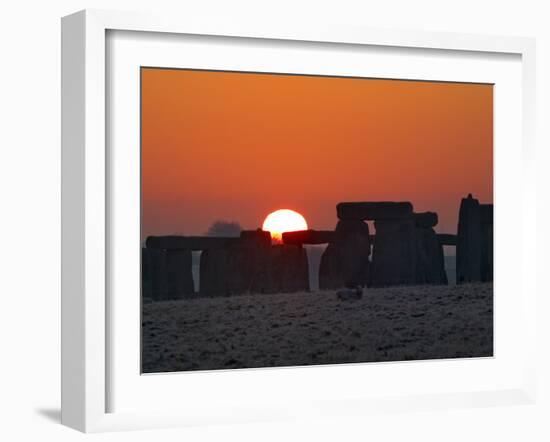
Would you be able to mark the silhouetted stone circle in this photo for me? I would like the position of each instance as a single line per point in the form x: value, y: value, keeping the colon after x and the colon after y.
x: 406, y: 250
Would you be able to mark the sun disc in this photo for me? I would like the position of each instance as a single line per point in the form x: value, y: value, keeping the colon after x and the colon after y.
x: 281, y: 221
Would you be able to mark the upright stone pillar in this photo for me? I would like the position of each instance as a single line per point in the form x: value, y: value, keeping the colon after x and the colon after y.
x: 345, y: 261
x: 166, y: 274
x: 486, y: 215
x: 469, y: 241
x: 146, y: 273
x: 288, y: 269
x: 247, y: 263
x: 394, y: 252
x: 153, y: 273
x: 238, y: 268
x: 213, y: 272
x: 179, y: 274
x: 430, y: 262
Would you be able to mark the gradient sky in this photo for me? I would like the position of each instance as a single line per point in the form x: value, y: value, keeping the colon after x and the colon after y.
x: 236, y: 146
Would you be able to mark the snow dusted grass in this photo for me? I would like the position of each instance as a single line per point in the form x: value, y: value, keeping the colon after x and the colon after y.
x: 389, y: 324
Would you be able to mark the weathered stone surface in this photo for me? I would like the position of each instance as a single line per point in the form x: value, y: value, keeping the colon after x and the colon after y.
x: 361, y: 211
x: 287, y: 269
x: 345, y: 261
x: 308, y: 237
x: 425, y: 219
x: 352, y: 294
x: 394, y: 253
x: 430, y: 263
x: 166, y: 274
x: 189, y: 242
x: 447, y: 239
x: 468, y: 248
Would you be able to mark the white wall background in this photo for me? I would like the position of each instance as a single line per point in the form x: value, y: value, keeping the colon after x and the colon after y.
x: 30, y: 215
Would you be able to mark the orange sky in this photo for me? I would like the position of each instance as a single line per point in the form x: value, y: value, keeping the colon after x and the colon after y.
x: 235, y: 146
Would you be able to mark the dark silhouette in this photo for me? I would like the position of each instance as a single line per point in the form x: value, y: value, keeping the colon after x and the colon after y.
x: 362, y: 211
x: 406, y: 250
x: 474, y: 249
x: 228, y: 266
x: 302, y: 237
x: 345, y: 262
x: 253, y: 265
x: 237, y: 268
x: 166, y: 274
x: 394, y: 252
x: 430, y: 262
x: 288, y: 269
x: 425, y: 219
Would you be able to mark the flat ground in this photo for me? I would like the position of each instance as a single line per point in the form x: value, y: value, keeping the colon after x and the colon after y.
x: 389, y: 324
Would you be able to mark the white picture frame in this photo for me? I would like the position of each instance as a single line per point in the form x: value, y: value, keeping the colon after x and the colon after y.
x: 87, y: 356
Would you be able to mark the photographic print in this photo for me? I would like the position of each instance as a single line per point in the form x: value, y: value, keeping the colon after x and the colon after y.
x: 294, y: 220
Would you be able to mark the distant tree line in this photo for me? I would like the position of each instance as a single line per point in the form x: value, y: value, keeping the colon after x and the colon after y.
x: 224, y: 228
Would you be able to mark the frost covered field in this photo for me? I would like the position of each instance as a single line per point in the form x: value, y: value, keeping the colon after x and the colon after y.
x: 388, y: 324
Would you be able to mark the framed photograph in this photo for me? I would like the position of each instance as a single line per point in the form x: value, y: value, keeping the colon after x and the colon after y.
x: 262, y: 222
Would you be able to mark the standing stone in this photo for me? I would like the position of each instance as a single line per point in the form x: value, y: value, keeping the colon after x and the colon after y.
x: 166, y: 274
x: 153, y: 272
x: 288, y: 269
x: 146, y: 274
x: 486, y: 215
x: 253, y: 266
x: 469, y: 241
x: 394, y: 253
x: 487, y: 269
x: 213, y: 272
x: 179, y: 274
x: 247, y: 263
x: 237, y: 269
x: 345, y: 261
x: 430, y: 262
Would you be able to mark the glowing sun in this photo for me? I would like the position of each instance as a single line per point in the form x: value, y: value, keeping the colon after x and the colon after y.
x: 283, y: 220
